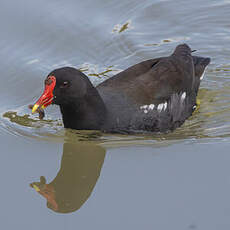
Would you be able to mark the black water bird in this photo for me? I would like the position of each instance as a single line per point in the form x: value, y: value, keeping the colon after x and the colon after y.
x: 156, y: 95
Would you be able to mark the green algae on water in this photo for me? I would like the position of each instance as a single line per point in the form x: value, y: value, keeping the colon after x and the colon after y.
x: 23, y: 120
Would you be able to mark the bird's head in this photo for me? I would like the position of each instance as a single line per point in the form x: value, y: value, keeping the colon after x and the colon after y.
x: 63, y: 86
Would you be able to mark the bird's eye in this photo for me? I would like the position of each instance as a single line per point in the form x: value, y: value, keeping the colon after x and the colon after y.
x: 64, y: 84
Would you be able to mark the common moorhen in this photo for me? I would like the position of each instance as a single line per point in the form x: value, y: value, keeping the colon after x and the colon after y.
x: 156, y: 95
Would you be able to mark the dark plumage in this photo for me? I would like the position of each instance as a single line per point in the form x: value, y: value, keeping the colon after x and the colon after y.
x: 156, y: 95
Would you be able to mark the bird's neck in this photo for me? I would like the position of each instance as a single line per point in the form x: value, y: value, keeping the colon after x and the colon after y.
x: 85, y: 114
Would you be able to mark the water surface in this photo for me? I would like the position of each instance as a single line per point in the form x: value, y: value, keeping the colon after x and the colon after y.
x: 57, y: 178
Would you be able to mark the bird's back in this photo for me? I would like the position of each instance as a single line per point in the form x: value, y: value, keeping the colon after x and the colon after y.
x: 154, y: 95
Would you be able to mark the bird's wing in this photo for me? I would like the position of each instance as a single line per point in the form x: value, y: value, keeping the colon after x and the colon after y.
x: 151, y: 81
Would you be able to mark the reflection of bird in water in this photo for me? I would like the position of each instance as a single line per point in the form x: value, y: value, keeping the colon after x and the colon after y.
x: 80, y: 168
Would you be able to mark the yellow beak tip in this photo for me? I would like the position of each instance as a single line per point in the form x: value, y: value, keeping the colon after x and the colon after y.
x: 36, y: 188
x: 34, y: 109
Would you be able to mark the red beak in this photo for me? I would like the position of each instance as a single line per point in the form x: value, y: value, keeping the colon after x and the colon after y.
x: 47, y: 96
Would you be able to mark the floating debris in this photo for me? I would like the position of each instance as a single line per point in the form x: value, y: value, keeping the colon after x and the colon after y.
x: 26, y: 120
x: 101, y: 73
x: 118, y: 28
x: 21, y: 120
x: 168, y: 40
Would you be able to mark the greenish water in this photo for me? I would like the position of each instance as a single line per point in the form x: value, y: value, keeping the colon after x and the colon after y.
x: 57, y: 178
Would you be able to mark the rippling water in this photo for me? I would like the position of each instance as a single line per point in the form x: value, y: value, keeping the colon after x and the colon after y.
x: 178, y: 180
